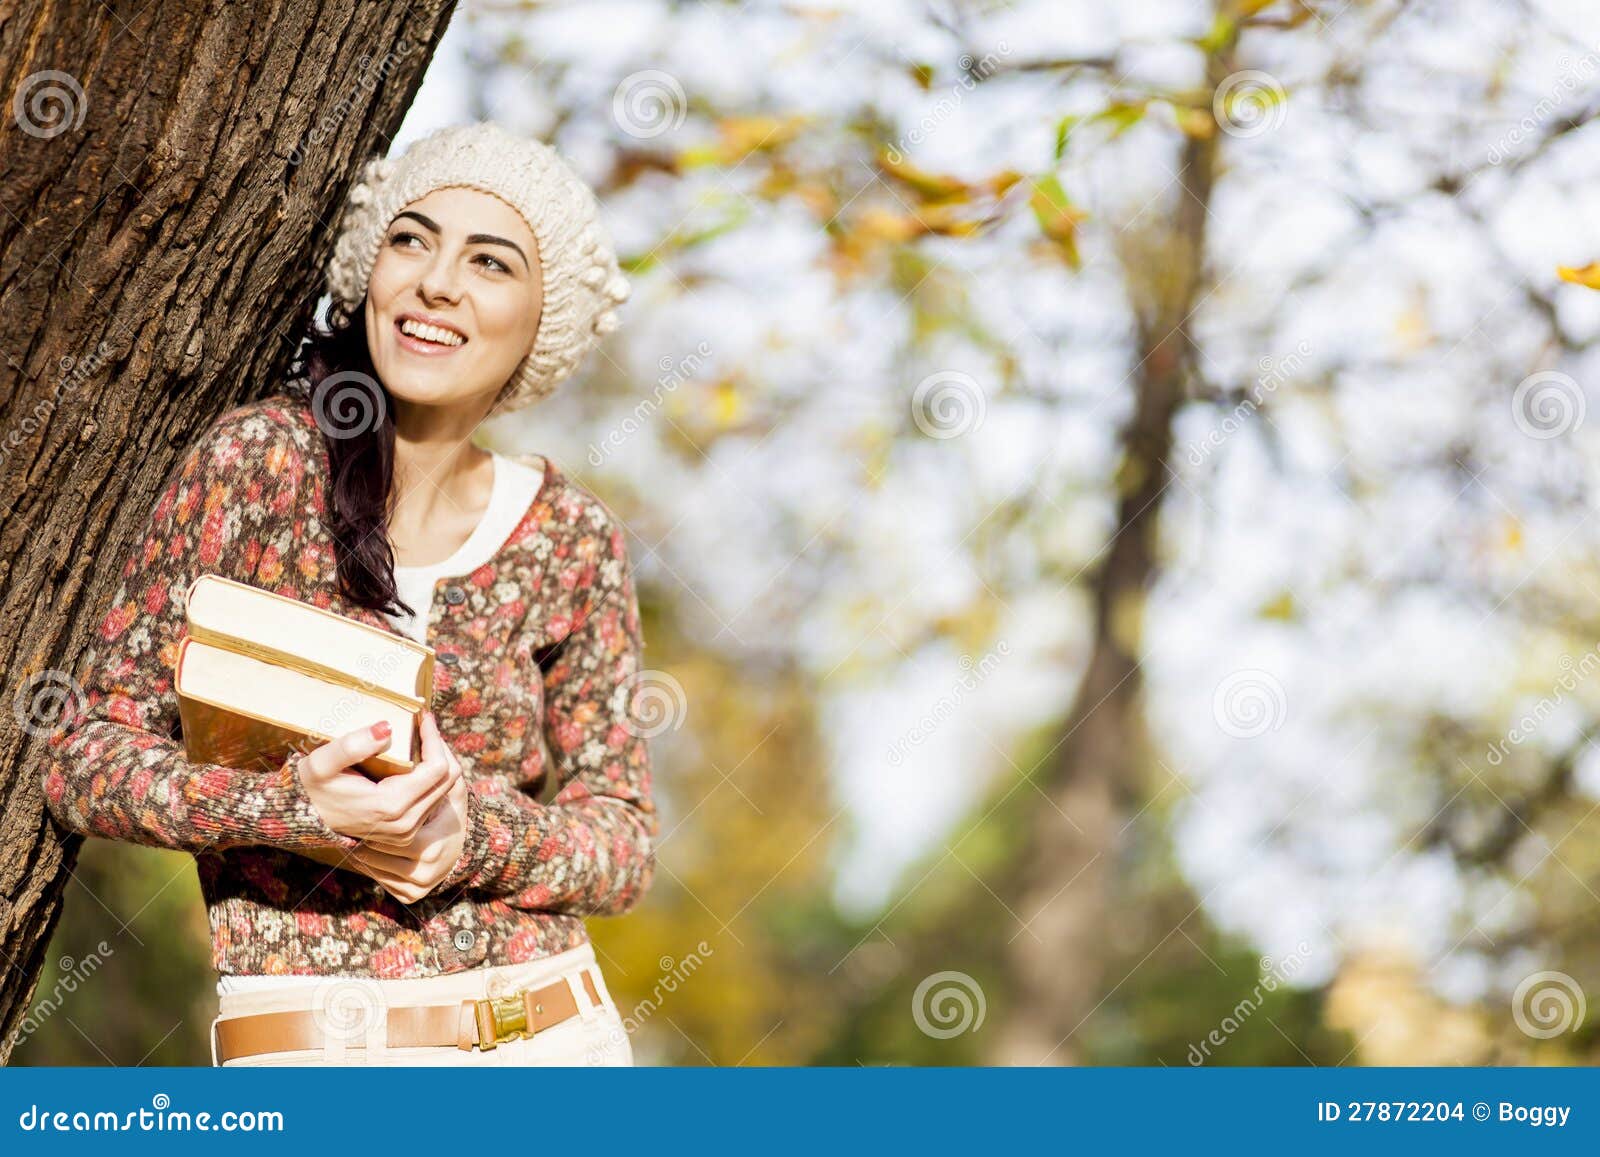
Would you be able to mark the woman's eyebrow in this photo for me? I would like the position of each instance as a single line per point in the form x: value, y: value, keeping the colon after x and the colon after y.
x: 475, y: 239
x: 426, y: 222
x: 490, y: 239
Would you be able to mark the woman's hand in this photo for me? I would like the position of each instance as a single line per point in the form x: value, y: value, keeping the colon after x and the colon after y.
x: 390, y: 810
x: 411, y: 864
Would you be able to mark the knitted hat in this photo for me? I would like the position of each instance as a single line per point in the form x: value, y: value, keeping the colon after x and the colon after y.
x: 582, y: 283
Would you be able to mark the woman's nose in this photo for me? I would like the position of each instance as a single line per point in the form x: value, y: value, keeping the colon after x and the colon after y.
x: 438, y: 281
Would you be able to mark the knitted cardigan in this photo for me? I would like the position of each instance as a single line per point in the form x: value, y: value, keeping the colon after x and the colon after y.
x: 537, y: 653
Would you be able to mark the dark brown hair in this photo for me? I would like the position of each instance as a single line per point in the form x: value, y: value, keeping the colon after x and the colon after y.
x: 334, y: 375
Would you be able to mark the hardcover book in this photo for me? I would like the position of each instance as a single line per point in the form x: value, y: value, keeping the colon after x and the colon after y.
x: 260, y: 675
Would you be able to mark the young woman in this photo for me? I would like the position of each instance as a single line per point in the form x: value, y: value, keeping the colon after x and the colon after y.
x: 469, y: 277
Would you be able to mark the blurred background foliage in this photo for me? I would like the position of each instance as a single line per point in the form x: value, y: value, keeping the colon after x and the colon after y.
x: 1109, y: 489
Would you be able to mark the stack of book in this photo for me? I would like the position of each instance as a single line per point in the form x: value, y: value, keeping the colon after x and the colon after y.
x: 260, y: 676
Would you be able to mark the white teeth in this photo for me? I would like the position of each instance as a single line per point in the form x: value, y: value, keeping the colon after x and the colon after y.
x: 430, y: 332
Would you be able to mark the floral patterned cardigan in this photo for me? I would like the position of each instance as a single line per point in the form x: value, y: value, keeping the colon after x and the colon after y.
x: 537, y: 649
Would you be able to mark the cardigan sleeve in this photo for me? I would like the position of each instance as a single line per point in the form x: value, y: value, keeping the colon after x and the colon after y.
x: 590, y: 851
x: 115, y: 765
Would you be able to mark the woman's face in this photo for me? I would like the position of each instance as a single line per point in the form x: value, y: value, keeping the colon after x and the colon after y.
x: 466, y: 262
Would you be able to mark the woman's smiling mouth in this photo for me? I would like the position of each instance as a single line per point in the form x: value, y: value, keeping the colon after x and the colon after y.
x: 427, y: 337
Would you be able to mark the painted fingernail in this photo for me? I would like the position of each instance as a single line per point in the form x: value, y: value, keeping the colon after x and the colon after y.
x: 381, y: 729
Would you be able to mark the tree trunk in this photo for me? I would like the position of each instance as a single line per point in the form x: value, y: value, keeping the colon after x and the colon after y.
x: 170, y: 175
x: 1066, y: 877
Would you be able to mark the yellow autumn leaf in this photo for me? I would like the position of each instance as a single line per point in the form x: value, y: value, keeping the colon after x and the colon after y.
x: 818, y: 198
x: 726, y: 405
x: 1197, y: 124
x: 1587, y: 275
x: 1280, y: 608
x: 931, y: 186
x: 1001, y: 183
x: 883, y: 225
x: 743, y: 135
x: 738, y: 137
x: 1058, y: 217
x: 948, y: 220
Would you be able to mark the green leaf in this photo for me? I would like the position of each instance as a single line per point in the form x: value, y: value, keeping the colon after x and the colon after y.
x: 1066, y: 125
x: 1282, y: 608
x: 1058, y: 217
x: 1122, y: 116
x: 1223, y: 30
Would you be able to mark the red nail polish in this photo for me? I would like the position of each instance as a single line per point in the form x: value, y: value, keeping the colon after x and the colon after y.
x: 381, y: 729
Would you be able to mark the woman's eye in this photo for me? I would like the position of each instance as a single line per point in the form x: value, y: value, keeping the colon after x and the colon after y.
x: 402, y: 241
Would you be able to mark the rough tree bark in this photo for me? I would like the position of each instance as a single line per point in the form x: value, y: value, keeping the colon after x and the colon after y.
x: 168, y: 174
x: 1065, y: 878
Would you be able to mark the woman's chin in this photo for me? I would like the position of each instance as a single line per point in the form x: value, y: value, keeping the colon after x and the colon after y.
x: 425, y: 390
x: 426, y: 386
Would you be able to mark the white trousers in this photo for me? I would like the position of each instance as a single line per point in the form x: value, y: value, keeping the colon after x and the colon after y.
x: 596, y: 1036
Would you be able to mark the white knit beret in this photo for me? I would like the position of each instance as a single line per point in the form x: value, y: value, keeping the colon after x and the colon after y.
x: 582, y: 282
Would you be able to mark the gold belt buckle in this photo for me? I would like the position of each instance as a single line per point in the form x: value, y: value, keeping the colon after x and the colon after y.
x: 501, y: 1019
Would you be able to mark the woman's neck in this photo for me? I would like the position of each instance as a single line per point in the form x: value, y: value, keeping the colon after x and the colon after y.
x: 442, y: 482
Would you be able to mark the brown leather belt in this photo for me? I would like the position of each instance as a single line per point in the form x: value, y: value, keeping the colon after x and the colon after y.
x: 480, y: 1023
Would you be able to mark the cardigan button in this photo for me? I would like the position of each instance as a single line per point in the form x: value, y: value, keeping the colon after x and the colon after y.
x: 454, y: 595
x: 449, y: 658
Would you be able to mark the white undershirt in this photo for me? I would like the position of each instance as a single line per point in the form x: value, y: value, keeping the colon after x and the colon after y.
x: 514, y: 489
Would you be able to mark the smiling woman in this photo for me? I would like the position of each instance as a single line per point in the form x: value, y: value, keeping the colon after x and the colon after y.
x: 469, y: 277
x: 454, y: 295
x: 474, y: 233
